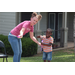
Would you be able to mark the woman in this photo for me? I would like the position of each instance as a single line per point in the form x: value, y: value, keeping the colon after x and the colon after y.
x: 17, y: 33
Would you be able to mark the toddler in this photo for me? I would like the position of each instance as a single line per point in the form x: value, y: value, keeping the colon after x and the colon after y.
x: 47, y: 45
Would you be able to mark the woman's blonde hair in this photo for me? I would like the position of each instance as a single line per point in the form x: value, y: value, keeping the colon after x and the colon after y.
x: 34, y: 14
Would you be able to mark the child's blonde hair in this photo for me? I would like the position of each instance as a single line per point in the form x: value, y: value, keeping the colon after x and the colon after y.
x: 34, y: 14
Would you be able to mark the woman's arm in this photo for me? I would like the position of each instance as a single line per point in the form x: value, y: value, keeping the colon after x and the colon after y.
x: 34, y: 39
x: 21, y: 33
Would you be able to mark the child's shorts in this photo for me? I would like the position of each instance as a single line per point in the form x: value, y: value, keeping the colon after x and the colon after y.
x: 47, y: 56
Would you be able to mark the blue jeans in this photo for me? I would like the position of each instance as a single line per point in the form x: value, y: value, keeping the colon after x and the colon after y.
x: 16, y: 47
x: 47, y: 56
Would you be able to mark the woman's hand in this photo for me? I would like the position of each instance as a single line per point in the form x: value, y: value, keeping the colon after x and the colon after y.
x: 39, y: 44
x: 20, y: 36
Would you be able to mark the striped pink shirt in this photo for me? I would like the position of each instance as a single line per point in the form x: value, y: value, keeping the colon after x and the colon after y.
x: 46, y: 41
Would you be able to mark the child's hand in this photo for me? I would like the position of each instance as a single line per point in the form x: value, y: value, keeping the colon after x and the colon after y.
x: 42, y: 43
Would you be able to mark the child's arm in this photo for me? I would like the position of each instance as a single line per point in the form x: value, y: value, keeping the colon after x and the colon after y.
x: 39, y: 36
x: 49, y: 44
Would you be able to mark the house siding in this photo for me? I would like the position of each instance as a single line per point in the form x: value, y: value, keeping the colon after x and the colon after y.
x: 43, y: 22
x: 7, y: 22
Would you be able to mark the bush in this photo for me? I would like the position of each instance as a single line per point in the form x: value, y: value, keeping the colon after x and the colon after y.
x: 26, y: 35
x: 29, y: 48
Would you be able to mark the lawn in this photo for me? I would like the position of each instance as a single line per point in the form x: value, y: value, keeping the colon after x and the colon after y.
x: 57, y: 56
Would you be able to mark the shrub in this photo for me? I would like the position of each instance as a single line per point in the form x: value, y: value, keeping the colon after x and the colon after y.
x: 29, y: 48
x: 26, y: 35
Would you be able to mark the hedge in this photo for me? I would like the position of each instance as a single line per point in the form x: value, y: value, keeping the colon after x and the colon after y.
x: 29, y: 48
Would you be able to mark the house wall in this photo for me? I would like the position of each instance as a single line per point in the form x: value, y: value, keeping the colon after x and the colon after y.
x: 7, y: 22
x: 70, y: 17
x: 43, y: 22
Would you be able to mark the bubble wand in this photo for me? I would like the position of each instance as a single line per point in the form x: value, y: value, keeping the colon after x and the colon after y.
x: 41, y: 46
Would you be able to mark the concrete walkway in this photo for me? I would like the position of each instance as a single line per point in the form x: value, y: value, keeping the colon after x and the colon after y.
x: 70, y: 45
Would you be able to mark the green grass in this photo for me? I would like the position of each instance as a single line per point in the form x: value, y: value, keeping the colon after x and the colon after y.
x: 64, y: 56
x: 57, y: 56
